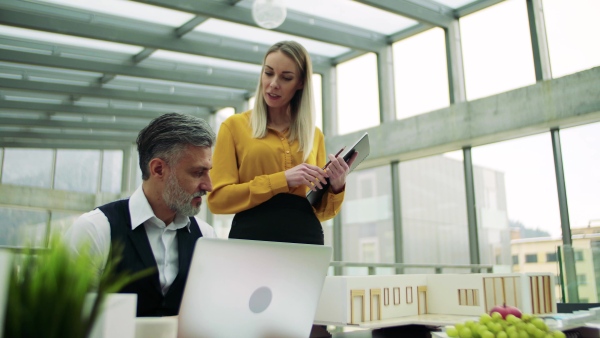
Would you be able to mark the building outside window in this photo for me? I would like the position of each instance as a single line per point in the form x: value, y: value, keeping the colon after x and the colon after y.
x: 531, y: 258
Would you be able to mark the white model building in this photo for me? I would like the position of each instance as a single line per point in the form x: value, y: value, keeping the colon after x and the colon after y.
x: 352, y: 300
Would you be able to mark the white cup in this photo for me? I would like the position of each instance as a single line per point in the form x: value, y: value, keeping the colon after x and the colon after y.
x: 156, y: 327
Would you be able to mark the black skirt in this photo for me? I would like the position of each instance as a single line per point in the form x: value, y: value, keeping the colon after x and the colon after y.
x: 283, y: 218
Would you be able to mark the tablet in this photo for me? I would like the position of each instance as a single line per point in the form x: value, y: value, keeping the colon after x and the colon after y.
x: 361, y: 146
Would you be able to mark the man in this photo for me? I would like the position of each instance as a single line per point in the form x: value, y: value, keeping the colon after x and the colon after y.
x: 155, y: 226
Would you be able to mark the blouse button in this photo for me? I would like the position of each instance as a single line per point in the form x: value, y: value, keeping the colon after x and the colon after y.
x: 282, y: 138
x: 287, y: 151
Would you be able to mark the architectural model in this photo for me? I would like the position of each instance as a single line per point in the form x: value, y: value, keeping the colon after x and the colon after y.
x: 354, y: 300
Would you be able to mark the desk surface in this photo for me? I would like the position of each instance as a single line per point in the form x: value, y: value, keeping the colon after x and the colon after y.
x: 413, y: 331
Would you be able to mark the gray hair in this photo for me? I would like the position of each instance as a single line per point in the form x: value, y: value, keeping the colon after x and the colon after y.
x: 168, y: 135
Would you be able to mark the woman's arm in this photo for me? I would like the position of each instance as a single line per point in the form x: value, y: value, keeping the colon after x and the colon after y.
x: 331, y: 203
x: 229, y: 195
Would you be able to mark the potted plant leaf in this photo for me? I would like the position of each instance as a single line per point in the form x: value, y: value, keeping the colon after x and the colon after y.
x: 48, y: 291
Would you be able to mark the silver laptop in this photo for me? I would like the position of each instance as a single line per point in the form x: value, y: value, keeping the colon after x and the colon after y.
x: 252, y: 289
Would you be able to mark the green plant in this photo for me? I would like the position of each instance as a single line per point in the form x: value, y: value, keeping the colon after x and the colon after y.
x: 48, y: 291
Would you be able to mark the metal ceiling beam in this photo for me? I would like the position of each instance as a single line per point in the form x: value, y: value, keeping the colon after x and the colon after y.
x: 206, y: 100
x: 296, y: 23
x: 205, y: 75
x: 83, y: 110
x: 62, y: 144
x: 78, y: 125
x: 424, y: 11
x: 125, y: 138
x: 474, y: 7
x: 409, y: 32
x: 136, y: 33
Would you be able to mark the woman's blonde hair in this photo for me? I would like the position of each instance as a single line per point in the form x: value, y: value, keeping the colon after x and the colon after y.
x: 302, y: 127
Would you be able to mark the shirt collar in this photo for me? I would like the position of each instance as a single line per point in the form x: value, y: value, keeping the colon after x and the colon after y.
x: 140, y: 211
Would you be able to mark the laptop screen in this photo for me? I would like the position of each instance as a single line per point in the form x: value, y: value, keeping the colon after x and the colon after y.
x: 243, y: 288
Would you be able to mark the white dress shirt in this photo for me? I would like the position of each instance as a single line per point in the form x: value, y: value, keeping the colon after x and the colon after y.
x: 93, y: 228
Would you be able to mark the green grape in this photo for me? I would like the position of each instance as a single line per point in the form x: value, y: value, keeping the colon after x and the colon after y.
x: 465, y: 332
x: 501, y: 334
x: 526, y: 317
x: 482, y: 328
x: 513, y: 334
x: 539, y: 333
x: 523, y: 334
x: 559, y: 334
x: 496, y: 316
x: 485, y: 318
x: 487, y: 334
x: 531, y: 329
x: 451, y: 331
x: 540, y: 324
x: 512, y: 319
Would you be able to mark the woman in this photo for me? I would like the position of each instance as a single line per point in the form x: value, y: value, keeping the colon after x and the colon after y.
x: 266, y: 159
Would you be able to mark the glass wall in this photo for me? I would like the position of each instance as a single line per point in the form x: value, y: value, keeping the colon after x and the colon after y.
x: 28, y: 167
x: 77, y: 170
x: 581, y: 160
x: 434, y: 216
x: 367, y: 219
x: 527, y: 165
x: 421, y: 73
x: 112, y: 169
x: 572, y: 31
x: 497, y: 49
x: 358, y: 94
x: 22, y: 227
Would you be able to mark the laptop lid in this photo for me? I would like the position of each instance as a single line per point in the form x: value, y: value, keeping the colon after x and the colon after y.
x: 252, y: 289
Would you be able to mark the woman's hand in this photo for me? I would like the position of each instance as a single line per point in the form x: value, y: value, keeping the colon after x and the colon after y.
x: 338, y: 169
x: 306, y: 174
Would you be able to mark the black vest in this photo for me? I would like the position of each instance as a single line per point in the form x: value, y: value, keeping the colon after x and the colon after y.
x: 137, y: 255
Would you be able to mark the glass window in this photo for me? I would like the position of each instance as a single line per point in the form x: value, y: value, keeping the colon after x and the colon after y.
x: 434, y: 217
x: 112, y: 170
x: 579, y: 255
x: 222, y: 225
x: 131, y: 10
x: 551, y: 257
x: 60, y: 222
x: 317, y: 82
x: 23, y: 227
x: 531, y: 258
x: 581, y: 160
x: 328, y: 232
x: 367, y: 222
x: 571, y: 30
x: 421, y: 73
x: 77, y: 170
x: 69, y: 40
x: 582, y: 279
x: 515, y: 259
x: 497, y: 49
x: 29, y: 167
x: 515, y: 183
x: 221, y: 115
x: 358, y: 94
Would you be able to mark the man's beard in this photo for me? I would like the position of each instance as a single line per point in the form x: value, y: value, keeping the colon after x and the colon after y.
x: 178, y: 199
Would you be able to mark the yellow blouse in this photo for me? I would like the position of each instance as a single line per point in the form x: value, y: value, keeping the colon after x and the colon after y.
x: 248, y: 171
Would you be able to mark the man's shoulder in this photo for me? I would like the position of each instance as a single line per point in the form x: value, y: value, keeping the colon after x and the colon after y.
x: 94, y: 216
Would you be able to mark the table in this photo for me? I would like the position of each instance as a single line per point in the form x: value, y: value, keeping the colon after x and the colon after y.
x: 412, y: 331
